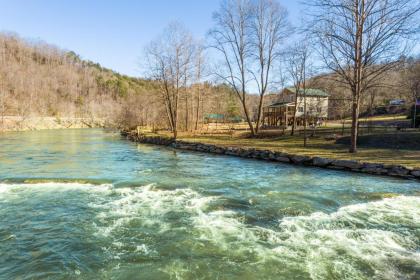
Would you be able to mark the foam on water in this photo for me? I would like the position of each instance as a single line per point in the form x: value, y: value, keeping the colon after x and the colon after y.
x: 381, y: 237
x: 374, y: 240
x: 148, y: 205
x: 52, y: 187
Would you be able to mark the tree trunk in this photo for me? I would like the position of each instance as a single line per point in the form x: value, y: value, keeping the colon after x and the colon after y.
x: 175, y: 124
x: 257, y: 127
x: 415, y: 112
x: 354, y: 124
x: 175, y: 130
x: 248, y: 120
x: 197, y: 113
x: 186, y: 110
x: 304, y: 119
x: 243, y: 100
x: 3, y: 109
x: 357, y: 74
x: 294, y: 114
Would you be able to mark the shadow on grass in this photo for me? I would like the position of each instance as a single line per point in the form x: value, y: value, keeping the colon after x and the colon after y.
x: 317, y: 146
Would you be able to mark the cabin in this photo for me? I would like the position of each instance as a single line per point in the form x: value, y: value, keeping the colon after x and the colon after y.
x: 280, y: 113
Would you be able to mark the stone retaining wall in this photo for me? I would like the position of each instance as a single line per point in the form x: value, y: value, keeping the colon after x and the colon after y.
x: 346, y: 165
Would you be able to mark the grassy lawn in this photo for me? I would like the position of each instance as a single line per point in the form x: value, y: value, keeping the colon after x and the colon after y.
x: 382, y: 118
x: 316, y: 147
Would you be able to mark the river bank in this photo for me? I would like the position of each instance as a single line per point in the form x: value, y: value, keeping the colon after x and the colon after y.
x: 393, y: 170
x: 16, y: 123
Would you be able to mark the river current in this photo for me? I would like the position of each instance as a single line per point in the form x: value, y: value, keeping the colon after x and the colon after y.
x: 87, y: 204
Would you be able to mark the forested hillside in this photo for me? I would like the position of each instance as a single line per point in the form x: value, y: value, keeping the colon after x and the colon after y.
x: 41, y: 80
x: 38, y: 79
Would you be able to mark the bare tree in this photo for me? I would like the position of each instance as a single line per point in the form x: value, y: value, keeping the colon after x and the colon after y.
x: 2, y: 103
x: 199, y: 67
x: 297, y: 67
x: 232, y: 39
x: 186, y: 95
x: 269, y: 27
x: 169, y: 57
x: 361, y: 40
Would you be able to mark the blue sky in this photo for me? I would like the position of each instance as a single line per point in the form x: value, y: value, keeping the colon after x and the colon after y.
x: 111, y: 32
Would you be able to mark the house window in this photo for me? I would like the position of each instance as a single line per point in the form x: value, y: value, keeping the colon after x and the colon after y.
x: 300, y: 109
x: 319, y: 110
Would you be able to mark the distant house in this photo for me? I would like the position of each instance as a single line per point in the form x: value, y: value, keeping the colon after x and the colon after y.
x: 281, y: 113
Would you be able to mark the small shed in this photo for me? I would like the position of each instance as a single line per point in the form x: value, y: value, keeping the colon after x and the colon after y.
x: 221, y: 118
x: 214, y: 118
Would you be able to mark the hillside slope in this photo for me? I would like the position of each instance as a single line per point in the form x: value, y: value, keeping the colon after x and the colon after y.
x: 40, y: 80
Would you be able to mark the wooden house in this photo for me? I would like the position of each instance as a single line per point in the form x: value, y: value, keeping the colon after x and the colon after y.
x: 280, y: 114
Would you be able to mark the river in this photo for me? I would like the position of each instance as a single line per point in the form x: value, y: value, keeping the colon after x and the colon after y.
x: 86, y: 204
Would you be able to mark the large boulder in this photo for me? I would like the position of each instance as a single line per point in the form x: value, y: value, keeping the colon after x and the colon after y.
x: 374, y: 168
x: 297, y: 159
x: 218, y: 150
x: 415, y: 173
x: 321, y: 162
x: 282, y: 159
x: 264, y: 155
x: 272, y: 155
x: 347, y: 164
x: 245, y: 153
x: 397, y: 170
x: 232, y: 151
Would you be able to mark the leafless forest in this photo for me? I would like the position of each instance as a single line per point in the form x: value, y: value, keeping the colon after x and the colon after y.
x: 38, y: 79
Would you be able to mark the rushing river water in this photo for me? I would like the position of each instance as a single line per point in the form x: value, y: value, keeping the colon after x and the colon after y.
x: 85, y: 204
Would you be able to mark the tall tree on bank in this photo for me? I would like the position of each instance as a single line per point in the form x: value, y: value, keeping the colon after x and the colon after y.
x: 169, y: 58
x: 360, y: 40
x: 199, y: 69
x: 297, y: 64
x: 232, y: 39
x: 248, y: 34
x: 269, y: 27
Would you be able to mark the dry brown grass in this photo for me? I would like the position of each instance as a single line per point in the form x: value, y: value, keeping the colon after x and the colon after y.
x: 317, y: 146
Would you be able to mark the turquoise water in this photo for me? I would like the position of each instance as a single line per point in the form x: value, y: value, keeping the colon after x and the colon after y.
x: 86, y: 204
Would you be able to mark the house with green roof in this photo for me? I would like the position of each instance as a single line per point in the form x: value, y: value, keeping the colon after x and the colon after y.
x: 281, y: 113
x: 316, y: 101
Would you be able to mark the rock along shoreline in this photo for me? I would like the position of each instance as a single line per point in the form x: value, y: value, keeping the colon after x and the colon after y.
x: 267, y: 155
